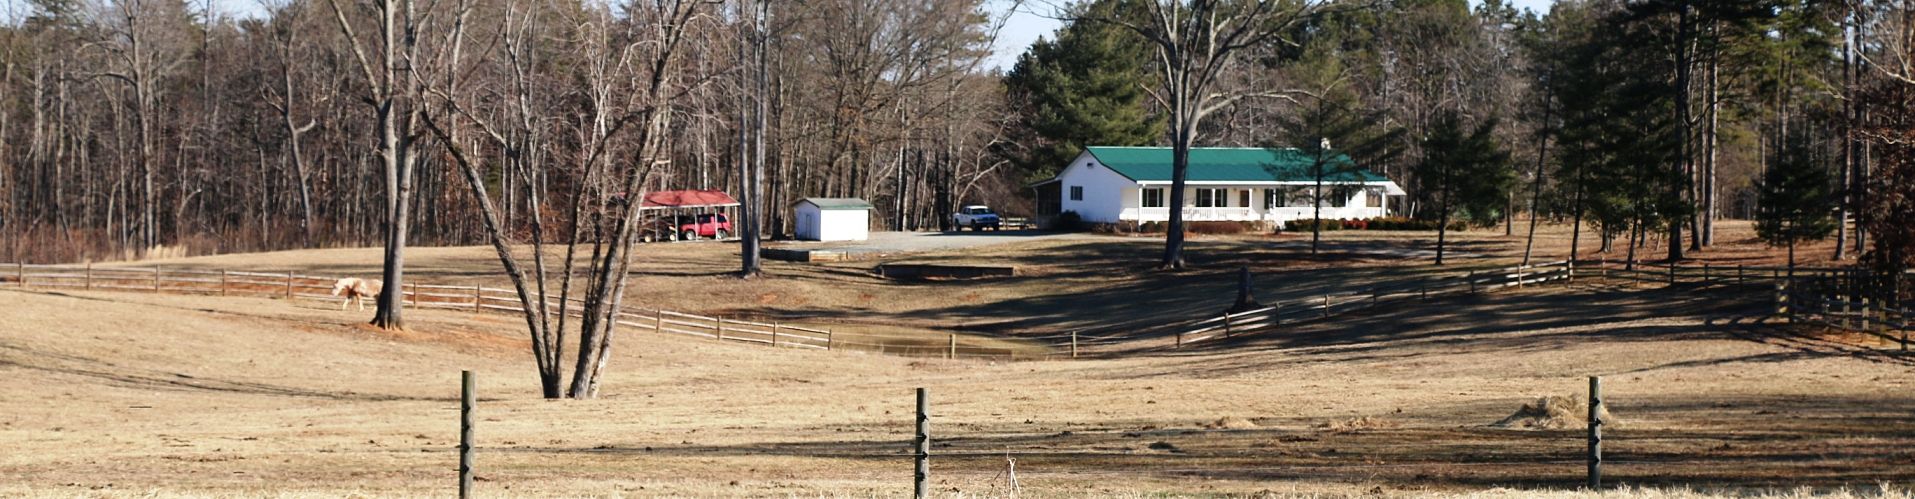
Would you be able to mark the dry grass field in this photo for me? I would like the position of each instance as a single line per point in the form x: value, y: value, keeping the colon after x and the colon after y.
x: 130, y: 394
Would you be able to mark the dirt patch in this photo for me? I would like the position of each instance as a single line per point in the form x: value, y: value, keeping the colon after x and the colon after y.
x: 1357, y: 424
x: 1555, y: 412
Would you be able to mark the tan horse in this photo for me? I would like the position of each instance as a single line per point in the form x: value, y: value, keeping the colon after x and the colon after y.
x: 355, y: 291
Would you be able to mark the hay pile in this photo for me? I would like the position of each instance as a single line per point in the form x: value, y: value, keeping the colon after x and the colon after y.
x: 1555, y: 412
x: 1232, y: 423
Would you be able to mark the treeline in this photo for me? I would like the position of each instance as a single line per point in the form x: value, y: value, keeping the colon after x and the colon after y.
x: 1644, y: 120
x: 130, y: 125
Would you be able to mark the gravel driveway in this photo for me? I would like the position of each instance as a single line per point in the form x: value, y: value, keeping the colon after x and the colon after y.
x: 911, y: 242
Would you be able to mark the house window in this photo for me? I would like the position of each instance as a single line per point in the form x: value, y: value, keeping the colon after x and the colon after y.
x: 1154, y: 197
x: 1077, y: 193
x: 1213, y: 198
x: 1374, y: 198
x: 1272, y: 198
x: 1243, y: 198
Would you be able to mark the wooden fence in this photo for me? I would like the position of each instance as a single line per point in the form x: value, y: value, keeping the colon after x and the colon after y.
x: 1267, y: 318
x: 290, y: 285
x: 1817, y: 295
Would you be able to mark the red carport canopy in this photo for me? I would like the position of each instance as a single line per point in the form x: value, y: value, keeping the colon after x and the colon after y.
x: 688, y: 198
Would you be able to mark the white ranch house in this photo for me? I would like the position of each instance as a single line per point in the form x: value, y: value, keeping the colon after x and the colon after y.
x: 1113, y: 185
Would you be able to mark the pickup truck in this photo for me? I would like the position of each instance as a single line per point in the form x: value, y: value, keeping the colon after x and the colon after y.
x: 685, y: 228
x: 976, y: 217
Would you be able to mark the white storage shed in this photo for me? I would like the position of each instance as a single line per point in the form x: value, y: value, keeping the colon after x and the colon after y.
x: 833, y: 219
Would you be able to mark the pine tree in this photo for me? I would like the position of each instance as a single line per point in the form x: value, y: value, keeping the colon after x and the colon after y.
x: 1464, y: 173
x: 1082, y: 89
x: 1794, y: 200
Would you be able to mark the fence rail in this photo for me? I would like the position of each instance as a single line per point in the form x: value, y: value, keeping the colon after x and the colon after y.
x: 1267, y: 318
x: 473, y: 298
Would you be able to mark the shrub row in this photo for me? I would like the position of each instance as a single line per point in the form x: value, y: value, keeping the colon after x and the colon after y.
x: 1386, y: 223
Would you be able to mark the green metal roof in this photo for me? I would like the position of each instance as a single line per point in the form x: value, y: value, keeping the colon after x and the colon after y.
x: 1229, y: 164
x: 838, y: 203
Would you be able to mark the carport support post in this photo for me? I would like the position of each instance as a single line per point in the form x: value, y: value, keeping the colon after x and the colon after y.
x: 1595, y: 432
x: 922, y: 479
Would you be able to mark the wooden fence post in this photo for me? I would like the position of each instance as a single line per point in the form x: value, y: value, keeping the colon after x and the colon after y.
x: 222, y: 283
x: 289, y: 285
x: 1180, y: 340
x: 415, y: 293
x: 156, y: 278
x: 1705, y: 273
x: 1326, y: 304
x: 1782, y: 299
x: 1472, y: 281
x: 20, y: 273
x: 1847, y: 320
x: 477, y: 298
x: 1226, y: 324
x: 468, y: 401
x: 89, y: 276
x: 952, y: 354
x: 1595, y: 432
x: 1073, y: 344
x: 721, y: 328
x: 1739, y: 279
x: 658, y: 323
x: 774, y: 333
x: 922, y: 478
x: 828, y: 342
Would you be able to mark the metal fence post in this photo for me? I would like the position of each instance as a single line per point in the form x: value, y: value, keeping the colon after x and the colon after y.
x: 922, y: 478
x: 1595, y: 432
x: 468, y: 400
